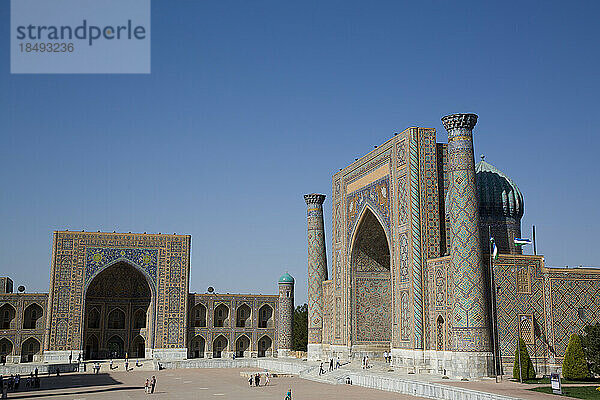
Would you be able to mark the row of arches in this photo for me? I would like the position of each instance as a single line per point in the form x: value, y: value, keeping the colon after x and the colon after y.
x: 243, y: 316
x: 31, y: 316
x: 115, y: 347
x: 221, y: 344
x: 29, y: 349
x: 116, y: 319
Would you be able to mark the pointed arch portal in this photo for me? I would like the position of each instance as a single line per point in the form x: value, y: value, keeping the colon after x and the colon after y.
x: 118, y: 311
x: 371, y: 282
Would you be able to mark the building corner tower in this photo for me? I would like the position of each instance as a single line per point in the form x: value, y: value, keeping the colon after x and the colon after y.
x: 470, y: 338
x: 317, y: 272
x: 286, y: 315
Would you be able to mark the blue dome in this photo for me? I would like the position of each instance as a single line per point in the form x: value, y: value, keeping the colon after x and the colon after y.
x: 498, y: 195
x: 286, y: 278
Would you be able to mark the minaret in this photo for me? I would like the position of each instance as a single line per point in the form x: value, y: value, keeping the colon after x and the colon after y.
x: 317, y: 272
x: 470, y: 336
x: 286, y: 315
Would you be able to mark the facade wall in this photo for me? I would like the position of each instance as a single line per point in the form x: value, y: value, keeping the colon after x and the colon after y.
x: 398, y: 182
x: 149, y: 283
x: 77, y: 257
x: 252, y: 329
x: 544, y: 306
x: 18, y: 332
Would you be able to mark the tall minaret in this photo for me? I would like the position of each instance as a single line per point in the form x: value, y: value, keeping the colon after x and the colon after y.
x: 286, y: 315
x: 470, y: 335
x: 317, y: 272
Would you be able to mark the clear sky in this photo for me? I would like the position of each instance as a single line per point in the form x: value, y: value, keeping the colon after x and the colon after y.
x: 250, y: 105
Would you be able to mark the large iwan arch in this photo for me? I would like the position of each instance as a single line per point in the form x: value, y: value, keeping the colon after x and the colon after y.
x: 371, y: 283
x: 118, y: 301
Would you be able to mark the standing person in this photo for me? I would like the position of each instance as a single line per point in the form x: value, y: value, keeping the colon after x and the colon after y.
x: 126, y: 365
x: 337, y: 362
x: 331, y: 364
x: 35, y: 372
x: 152, y: 384
x: 111, y: 364
x: 257, y: 380
x: 250, y: 379
x: 147, y: 386
x: 70, y: 357
x: 367, y: 362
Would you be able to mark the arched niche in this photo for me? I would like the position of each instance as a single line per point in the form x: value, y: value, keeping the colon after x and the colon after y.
x: 32, y: 315
x: 119, y: 308
x: 371, y: 282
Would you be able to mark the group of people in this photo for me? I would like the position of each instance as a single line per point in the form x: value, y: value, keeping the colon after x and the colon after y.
x: 14, y: 382
x: 255, y: 378
x: 365, y: 362
x: 334, y: 363
x: 150, y: 385
x: 387, y: 356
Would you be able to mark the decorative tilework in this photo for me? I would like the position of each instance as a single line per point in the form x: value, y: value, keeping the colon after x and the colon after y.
x: 98, y: 258
x: 469, y: 317
x: 374, y: 195
x: 373, y: 309
x: 164, y: 259
x: 317, y: 265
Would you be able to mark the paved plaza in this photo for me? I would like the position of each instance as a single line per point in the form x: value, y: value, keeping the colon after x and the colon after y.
x: 192, y: 384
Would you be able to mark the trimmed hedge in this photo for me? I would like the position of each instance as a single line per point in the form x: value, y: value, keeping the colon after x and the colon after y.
x: 527, y: 370
x: 574, y: 365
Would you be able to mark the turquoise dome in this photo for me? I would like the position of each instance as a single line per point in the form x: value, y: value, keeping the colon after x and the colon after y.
x: 286, y: 278
x: 498, y: 195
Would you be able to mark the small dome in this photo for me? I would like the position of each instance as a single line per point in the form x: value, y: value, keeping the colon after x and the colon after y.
x: 286, y: 278
x: 498, y: 195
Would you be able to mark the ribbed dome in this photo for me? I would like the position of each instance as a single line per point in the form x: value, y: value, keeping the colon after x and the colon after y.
x: 498, y: 195
x: 286, y: 278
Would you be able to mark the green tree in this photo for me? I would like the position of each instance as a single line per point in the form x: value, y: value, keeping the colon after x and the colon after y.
x: 574, y: 365
x: 527, y: 370
x: 300, y: 328
x: 591, y: 347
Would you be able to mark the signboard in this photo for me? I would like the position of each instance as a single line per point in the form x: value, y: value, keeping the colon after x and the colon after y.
x: 556, y: 384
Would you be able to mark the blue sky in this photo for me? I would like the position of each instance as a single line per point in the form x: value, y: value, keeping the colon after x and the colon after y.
x: 252, y: 104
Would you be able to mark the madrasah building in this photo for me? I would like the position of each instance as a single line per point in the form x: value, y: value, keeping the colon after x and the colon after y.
x: 410, y: 264
x: 124, y: 295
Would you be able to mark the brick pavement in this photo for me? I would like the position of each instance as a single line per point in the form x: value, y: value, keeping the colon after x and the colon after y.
x: 192, y: 384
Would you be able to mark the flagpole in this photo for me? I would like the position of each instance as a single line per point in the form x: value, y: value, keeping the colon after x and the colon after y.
x: 534, y: 247
x: 492, y: 303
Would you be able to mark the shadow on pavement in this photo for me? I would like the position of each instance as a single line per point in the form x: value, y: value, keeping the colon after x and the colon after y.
x: 69, y: 381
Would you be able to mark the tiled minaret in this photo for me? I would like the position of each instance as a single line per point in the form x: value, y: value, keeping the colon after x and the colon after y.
x: 470, y: 336
x: 317, y: 272
x: 286, y: 315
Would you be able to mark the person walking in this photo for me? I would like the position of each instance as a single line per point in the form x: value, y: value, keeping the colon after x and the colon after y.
x: 321, y: 370
x: 267, y: 378
x: 288, y: 395
x: 250, y: 379
x: 331, y: 364
x: 126, y: 365
x: 147, y: 386
x: 152, y: 384
x: 257, y: 380
x: 111, y: 364
x: 367, y: 362
x: 35, y: 372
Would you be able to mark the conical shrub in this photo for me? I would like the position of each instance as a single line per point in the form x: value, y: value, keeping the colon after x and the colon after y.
x: 574, y: 364
x: 527, y: 370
